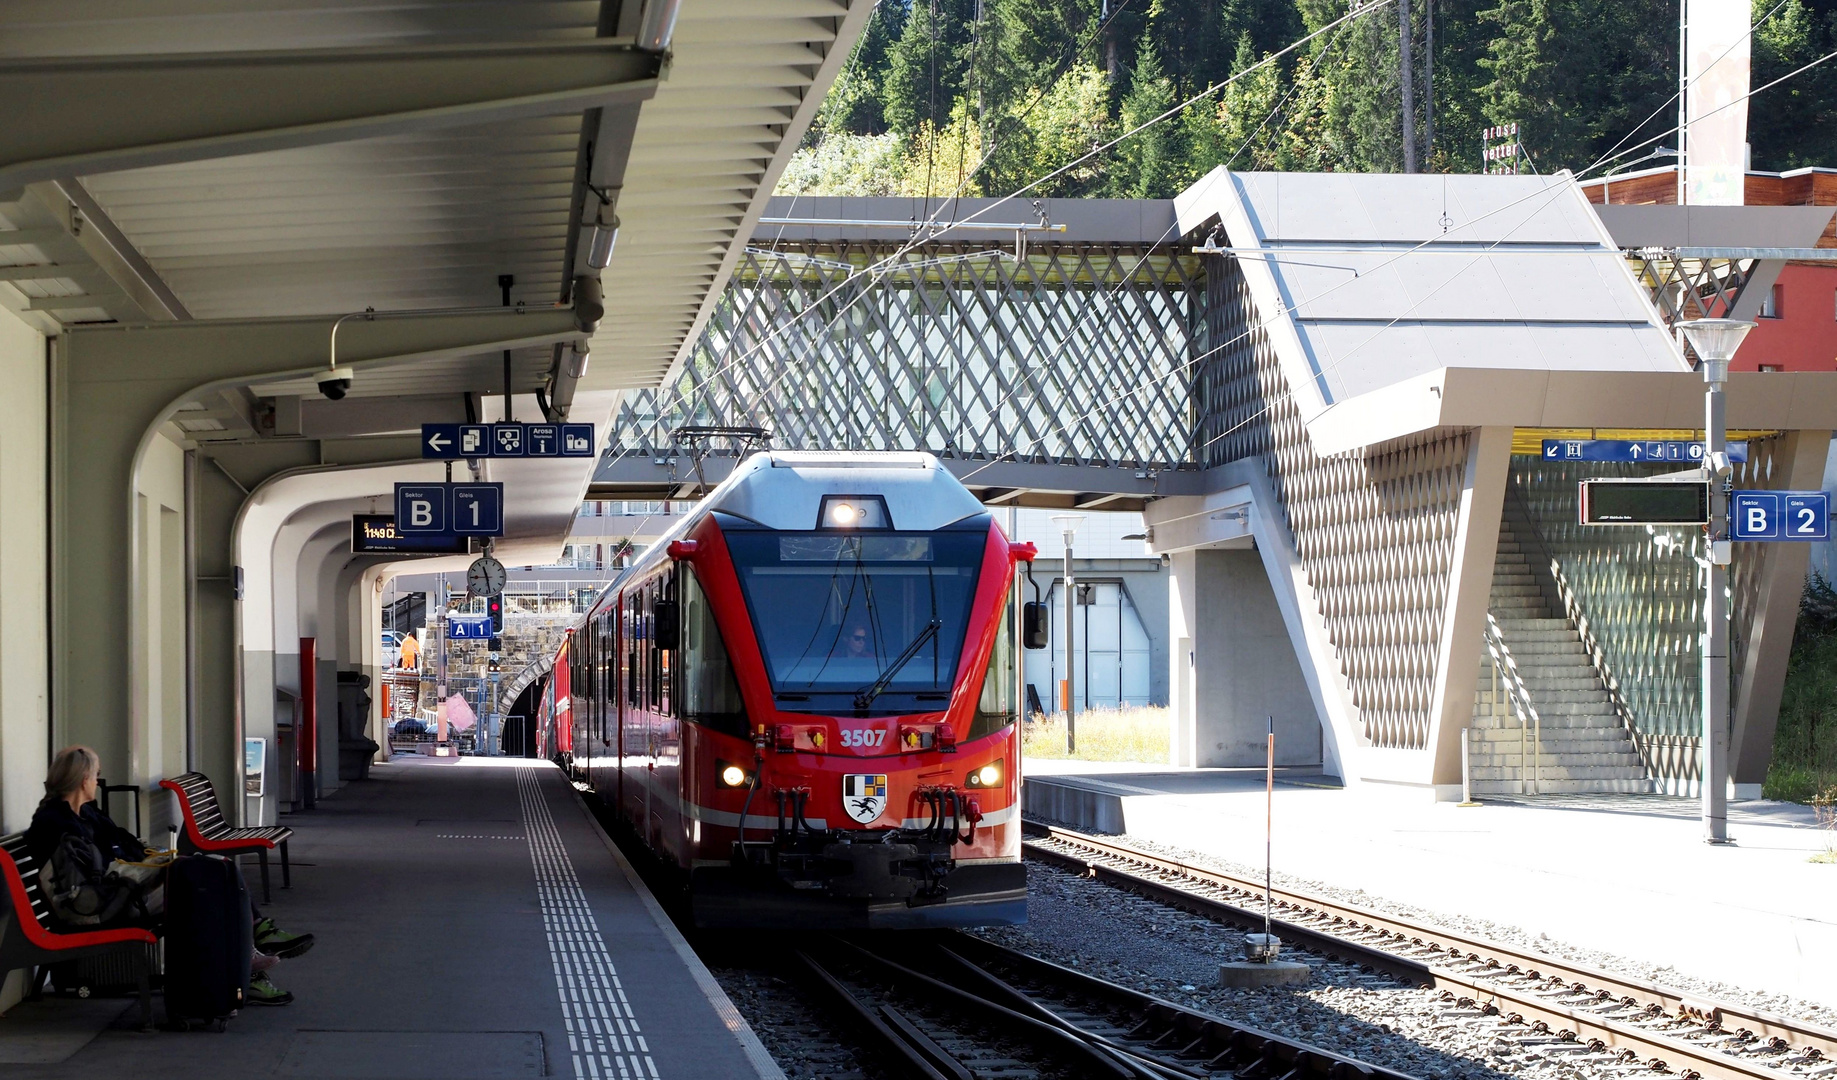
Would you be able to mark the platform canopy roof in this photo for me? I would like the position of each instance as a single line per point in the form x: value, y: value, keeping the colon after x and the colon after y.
x: 205, y: 160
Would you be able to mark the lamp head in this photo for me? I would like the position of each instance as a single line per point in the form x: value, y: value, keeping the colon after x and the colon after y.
x: 1715, y: 341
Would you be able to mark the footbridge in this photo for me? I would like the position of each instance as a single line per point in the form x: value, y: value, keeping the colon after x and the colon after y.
x: 1328, y: 395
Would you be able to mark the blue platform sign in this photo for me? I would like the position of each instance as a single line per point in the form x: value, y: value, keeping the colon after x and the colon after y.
x: 542, y: 440
x: 577, y: 440
x: 468, y: 627
x: 475, y: 440
x: 1779, y: 515
x: 420, y: 508
x: 440, y: 441
x: 1666, y: 451
x: 478, y: 509
x: 507, y: 440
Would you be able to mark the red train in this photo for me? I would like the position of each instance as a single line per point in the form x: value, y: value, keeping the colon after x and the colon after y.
x: 823, y: 653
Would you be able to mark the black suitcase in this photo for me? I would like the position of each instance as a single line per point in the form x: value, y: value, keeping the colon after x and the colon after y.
x: 210, y: 940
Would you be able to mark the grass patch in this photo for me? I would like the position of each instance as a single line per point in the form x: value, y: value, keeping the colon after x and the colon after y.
x: 1132, y: 734
x: 1804, y: 763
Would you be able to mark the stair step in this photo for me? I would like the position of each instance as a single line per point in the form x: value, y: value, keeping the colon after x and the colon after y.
x: 1566, y: 787
x: 1560, y: 773
x: 1554, y: 763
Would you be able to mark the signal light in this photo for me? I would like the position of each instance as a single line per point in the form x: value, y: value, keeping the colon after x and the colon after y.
x: 784, y: 739
x: 494, y: 607
x: 944, y: 739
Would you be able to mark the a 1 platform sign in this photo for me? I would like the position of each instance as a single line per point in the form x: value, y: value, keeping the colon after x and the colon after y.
x: 1779, y: 515
x: 450, y: 509
x: 448, y: 442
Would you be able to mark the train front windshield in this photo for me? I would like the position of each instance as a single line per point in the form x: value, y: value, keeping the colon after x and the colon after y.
x: 859, y: 622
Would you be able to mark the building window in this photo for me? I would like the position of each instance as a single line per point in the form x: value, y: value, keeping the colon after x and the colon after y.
x: 1771, y: 307
x: 1772, y: 367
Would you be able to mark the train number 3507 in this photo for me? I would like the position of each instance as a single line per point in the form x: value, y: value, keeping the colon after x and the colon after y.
x: 863, y: 736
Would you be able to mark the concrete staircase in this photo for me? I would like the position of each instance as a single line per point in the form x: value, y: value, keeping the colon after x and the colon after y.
x: 1584, y: 747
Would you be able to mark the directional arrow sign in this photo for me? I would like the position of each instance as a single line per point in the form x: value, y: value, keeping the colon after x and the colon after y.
x: 440, y: 441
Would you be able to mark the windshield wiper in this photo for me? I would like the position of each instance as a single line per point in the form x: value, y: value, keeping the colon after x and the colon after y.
x: 866, y: 696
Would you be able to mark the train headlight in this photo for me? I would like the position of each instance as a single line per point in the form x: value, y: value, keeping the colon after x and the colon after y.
x: 844, y: 514
x: 732, y: 776
x: 987, y: 776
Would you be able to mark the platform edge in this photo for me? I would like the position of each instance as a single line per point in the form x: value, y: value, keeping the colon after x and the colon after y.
x: 763, y: 1066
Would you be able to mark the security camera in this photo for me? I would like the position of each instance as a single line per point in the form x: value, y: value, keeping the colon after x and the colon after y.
x: 335, y: 383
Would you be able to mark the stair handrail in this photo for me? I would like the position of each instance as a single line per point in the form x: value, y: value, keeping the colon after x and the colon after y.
x: 1519, y: 695
x: 1572, y: 611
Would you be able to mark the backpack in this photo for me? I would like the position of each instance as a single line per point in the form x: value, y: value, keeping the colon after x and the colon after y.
x: 79, y: 888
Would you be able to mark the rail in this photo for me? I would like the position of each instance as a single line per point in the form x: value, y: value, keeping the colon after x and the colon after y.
x: 1531, y: 739
x: 1689, y: 1034
x: 929, y: 1003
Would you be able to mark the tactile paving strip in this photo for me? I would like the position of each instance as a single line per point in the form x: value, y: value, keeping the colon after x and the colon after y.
x: 604, y: 1040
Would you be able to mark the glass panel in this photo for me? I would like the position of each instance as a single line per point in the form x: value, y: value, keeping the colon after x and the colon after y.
x: 835, y: 614
x: 711, y: 695
x: 996, y: 707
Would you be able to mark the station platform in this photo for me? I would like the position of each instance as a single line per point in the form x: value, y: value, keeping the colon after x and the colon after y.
x: 472, y: 920
x: 1626, y: 875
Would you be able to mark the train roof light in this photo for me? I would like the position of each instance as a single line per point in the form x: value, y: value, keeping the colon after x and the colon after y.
x: 854, y: 512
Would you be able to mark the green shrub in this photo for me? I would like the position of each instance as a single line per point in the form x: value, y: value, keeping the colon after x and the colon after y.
x: 1805, y: 742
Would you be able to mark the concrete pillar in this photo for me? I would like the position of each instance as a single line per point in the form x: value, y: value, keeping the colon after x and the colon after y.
x: 1761, y: 679
x: 24, y: 654
x: 1234, y: 665
x: 1470, y: 583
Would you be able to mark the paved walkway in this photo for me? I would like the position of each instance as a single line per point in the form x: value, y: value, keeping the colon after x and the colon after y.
x: 472, y: 921
x: 1623, y: 874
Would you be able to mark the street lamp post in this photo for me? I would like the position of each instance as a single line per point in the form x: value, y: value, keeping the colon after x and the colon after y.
x: 1715, y: 342
x: 1068, y: 524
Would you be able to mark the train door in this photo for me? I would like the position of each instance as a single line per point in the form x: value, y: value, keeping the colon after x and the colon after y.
x: 615, y: 694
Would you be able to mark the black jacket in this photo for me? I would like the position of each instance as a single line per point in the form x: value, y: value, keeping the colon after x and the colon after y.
x: 55, y: 820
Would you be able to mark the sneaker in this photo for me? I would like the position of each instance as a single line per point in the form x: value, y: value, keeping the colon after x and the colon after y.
x: 271, y: 940
x: 263, y: 992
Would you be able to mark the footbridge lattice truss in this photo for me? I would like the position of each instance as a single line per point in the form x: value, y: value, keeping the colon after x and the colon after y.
x: 1072, y: 354
x: 1142, y: 369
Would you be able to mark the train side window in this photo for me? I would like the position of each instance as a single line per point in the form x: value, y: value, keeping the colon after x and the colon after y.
x: 653, y: 658
x: 710, y: 693
x: 995, y: 708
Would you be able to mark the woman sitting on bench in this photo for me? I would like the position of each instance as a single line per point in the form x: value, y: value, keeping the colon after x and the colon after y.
x: 97, y: 875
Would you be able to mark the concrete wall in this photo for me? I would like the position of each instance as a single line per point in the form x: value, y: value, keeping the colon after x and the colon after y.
x: 24, y: 651
x: 1234, y: 665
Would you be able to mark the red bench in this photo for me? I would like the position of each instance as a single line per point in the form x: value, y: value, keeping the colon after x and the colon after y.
x: 208, y: 832
x: 28, y: 941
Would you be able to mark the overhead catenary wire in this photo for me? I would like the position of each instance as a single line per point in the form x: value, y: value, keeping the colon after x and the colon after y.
x: 923, y: 231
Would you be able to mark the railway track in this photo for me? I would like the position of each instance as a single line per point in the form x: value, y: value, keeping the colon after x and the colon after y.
x: 949, y: 1006
x: 1666, y: 1029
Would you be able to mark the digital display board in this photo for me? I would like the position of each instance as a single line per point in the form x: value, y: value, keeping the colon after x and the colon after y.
x: 1652, y: 502
x: 377, y: 533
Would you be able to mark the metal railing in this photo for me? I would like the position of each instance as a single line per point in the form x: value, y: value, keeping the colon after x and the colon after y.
x: 1531, y: 742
